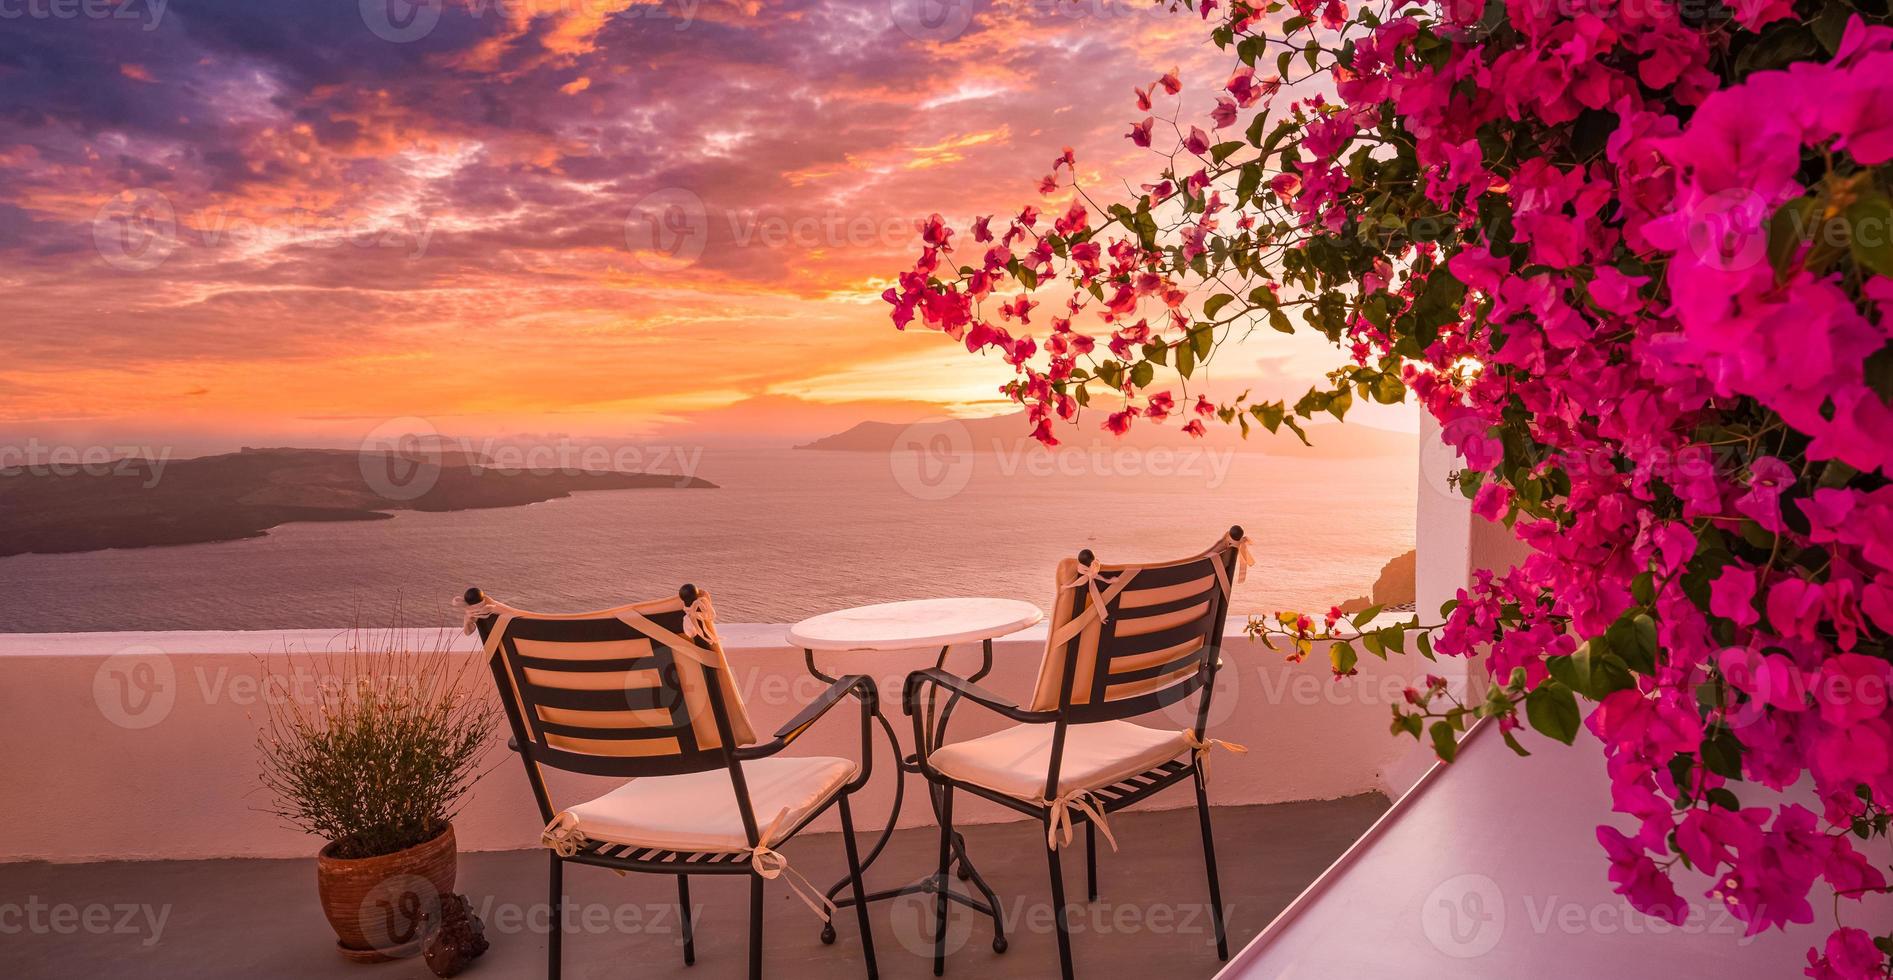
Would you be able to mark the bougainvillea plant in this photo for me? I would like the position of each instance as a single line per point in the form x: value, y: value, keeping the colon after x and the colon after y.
x: 1636, y: 259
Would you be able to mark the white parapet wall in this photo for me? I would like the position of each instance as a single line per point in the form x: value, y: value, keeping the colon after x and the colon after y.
x: 143, y: 745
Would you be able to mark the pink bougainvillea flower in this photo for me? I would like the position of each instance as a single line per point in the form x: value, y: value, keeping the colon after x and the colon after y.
x: 1639, y: 880
x: 1140, y: 132
x: 1171, y: 82
x: 1224, y: 115
x: 1492, y: 500
x: 1794, y: 607
x: 1633, y: 720
x: 1197, y: 142
x: 1195, y: 429
x: 1768, y: 478
x: 1849, y: 955
x: 935, y: 232
x: 1852, y: 688
x: 1732, y: 595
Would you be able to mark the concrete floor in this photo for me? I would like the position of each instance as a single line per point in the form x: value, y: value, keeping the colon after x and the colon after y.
x: 260, y: 919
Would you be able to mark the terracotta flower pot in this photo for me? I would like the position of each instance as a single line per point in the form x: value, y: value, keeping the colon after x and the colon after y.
x: 377, y: 904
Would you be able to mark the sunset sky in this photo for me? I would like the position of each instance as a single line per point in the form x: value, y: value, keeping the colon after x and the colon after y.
x: 237, y: 222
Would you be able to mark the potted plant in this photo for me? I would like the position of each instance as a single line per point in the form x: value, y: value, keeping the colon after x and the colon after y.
x: 373, y: 748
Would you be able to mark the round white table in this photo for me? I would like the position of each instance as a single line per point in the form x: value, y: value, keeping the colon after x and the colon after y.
x: 918, y: 624
x: 914, y: 624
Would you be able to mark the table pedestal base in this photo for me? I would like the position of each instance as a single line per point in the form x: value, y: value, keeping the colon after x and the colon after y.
x: 986, y: 902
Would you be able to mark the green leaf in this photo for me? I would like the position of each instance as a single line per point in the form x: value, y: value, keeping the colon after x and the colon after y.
x: 1279, y: 321
x: 1361, y: 618
x: 1511, y: 742
x: 1186, y: 360
x: 1341, y: 655
x: 1787, y: 231
x: 1215, y: 303
x: 1553, y: 711
x: 1221, y: 151
x: 1870, y: 231
x: 1722, y: 755
x: 1143, y: 373
x: 1444, y: 744
x: 1591, y: 671
x: 1249, y: 181
x: 1254, y: 133
x: 1340, y: 403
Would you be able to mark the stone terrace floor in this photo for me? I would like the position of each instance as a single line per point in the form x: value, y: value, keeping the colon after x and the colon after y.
x: 259, y: 918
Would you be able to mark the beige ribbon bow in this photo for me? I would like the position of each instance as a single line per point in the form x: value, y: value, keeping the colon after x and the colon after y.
x: 563, y: 835
x: 700, y: 619
x: 1244, y: 561
x: 1090, y: 577
x: 771, y: 864
x: 1201, y: 747
x: 472, y: 613
x: 1058, y: 834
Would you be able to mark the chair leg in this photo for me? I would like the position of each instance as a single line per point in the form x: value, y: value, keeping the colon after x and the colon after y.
x: 555, y: 935
x: 755, y: 927
x: 1058, y: 910
x: 940, y: 882
x: 1091, y: 862
x: 683, y: 908
x: 860, y: 892
x: 1209, y: 860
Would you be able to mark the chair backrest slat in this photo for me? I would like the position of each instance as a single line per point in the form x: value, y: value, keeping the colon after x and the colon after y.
x: 1160, y: 631
x: 594, y: 693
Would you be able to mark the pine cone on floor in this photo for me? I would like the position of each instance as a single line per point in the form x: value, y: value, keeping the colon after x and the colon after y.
x: 455, y: 937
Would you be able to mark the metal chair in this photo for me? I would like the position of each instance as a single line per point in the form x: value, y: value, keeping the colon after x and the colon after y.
x: 643, y: 692
x: 1126, y: 640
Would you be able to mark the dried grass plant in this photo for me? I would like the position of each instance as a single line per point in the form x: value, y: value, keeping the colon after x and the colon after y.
x: 374, y: 744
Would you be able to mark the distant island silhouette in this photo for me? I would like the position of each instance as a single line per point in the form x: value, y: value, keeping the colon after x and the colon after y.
x: 1010, y: 433
x: 136, y: 503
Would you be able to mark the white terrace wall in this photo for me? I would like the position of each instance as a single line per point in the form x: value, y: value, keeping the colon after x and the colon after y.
x: 143, y: 745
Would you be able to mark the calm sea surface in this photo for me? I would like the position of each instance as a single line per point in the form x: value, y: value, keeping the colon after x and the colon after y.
x: 787, y: 535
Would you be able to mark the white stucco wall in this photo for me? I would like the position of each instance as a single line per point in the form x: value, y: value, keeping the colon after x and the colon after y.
x: 142, y: 745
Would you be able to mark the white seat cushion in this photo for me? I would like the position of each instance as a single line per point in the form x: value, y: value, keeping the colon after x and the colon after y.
x: 697, y: 811
x: 1017, y: 760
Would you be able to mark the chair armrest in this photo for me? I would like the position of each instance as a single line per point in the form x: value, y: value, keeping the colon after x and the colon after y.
x: 859, y: 685
x: 938, y: 677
